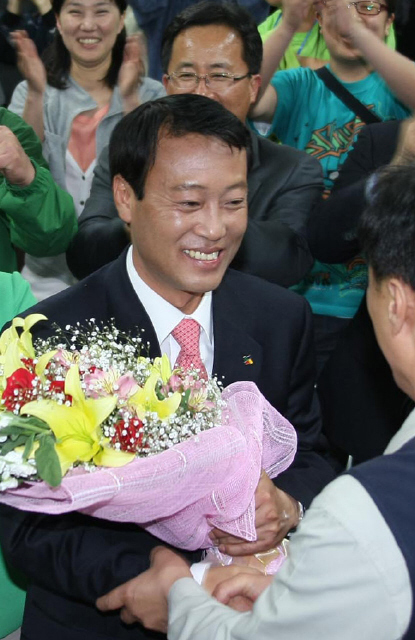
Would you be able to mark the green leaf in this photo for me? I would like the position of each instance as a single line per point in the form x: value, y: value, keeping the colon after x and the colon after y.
x: 185, y: 399
x: 12, y: 444
x: 28, y: 446
x: 47, y: 461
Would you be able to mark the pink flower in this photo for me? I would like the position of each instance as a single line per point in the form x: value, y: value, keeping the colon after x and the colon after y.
x: 106, y: 383
x: 127, y: 386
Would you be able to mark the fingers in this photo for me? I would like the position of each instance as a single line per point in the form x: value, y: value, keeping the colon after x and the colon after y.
x: 243, y: 585
x: 127, y: 617
x: 115, y: 599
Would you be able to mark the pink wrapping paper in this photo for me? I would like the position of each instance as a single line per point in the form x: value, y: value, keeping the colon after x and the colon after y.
x: 180, y: 494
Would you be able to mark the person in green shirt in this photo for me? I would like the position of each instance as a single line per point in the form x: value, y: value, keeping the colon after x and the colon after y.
x: 307, y: 47
x: 36, y: 215
x: 15, y: 296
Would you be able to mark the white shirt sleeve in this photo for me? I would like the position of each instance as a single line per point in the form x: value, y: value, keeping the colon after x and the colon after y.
x: 345, y: 578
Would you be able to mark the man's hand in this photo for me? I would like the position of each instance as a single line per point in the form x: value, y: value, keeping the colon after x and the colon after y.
x: 294, y: 12
x: 15, y: 165
x: 28, y: 61
x: 131, y: 71
x: 217, y: 576
x: 341, y: 19
x: 241, y: 591
x: 144, y: 598
x: 276, y: 513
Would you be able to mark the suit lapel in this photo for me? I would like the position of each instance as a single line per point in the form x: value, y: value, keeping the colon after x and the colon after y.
x: 237, y: 355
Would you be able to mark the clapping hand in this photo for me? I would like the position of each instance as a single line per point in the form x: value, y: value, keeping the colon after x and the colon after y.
x: 28, y: 61
x: 341, y: 18
x: 15, y: 165
x: 132, y: 71
x: 295, y: 12
x: 276, y: 513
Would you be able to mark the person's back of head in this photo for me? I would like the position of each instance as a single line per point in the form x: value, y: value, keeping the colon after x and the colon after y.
x: 387, y: 226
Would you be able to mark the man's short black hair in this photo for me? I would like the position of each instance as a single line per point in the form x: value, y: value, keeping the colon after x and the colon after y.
x: 133, y: 144
x: 387, y: 226
x: 206, y: 13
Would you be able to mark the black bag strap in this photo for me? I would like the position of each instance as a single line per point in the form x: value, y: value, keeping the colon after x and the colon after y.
x: 339, y: 90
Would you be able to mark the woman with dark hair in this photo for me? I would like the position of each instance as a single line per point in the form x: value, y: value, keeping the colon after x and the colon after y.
x: 92, y: 75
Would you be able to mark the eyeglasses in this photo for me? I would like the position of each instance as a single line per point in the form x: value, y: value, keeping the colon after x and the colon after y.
x: 216, y: 81
x: 368, y: 8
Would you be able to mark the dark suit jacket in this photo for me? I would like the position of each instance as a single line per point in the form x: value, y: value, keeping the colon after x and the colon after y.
x: 283, y: 186
x: 72, y: 559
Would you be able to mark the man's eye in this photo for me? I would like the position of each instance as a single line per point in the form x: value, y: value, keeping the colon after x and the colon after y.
x: 218, y: 77
x: 236, y: 203
x: 186, y: 76
x: 190, y: 204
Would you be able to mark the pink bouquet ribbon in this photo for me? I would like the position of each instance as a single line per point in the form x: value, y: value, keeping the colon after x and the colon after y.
x: 179, y: 495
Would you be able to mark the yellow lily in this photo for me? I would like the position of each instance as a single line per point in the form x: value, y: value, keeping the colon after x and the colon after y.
x: 76, y: 427
x: 14, y: 345
x: 23, y: 338
x: 163, y: 367
x: 145, y: 399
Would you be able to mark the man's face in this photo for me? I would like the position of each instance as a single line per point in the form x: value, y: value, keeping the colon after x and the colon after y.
x: 209, y: 49
x: 190, y: 223
x: 340, y: 47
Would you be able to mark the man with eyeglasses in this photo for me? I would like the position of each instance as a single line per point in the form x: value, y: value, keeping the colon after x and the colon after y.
x: 305, y: 113
x: 215, y: 50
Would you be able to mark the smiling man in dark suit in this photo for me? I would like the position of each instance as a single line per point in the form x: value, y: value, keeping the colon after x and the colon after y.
x: 179, y: 168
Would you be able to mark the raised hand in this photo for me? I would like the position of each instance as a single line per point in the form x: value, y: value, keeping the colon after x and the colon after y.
x: 294, y: 12
x: 15, y: 165
x: 28, y: 61
x: 276, y: 513
x: 341, y: 18
x: 132, y: 71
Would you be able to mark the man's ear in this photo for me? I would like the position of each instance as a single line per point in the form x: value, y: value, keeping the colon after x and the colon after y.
x: 389, y: 23
x: 124, y: 198
x: 165, y: 80
x: 254, y: 85
x: 401, y: 306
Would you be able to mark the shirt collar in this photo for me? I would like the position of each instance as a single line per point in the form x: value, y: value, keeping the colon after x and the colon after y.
x: 405, y: 433
x: 163, y: 315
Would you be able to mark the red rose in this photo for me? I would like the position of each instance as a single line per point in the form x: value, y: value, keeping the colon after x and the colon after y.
x: 19, y: 389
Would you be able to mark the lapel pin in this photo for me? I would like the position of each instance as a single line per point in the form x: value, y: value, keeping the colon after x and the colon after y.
x: 248, y: 360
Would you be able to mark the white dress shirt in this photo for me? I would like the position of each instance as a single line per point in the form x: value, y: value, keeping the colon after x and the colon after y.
x: 345, y: 579
x: 165, y: 317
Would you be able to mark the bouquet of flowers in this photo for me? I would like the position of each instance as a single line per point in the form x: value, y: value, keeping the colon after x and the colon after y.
x: 88, y: 423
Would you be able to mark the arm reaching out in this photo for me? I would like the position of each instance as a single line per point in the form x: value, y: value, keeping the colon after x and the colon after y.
x: 294, y: 12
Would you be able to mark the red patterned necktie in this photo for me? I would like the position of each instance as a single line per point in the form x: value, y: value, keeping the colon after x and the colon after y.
x: 187, y: 334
